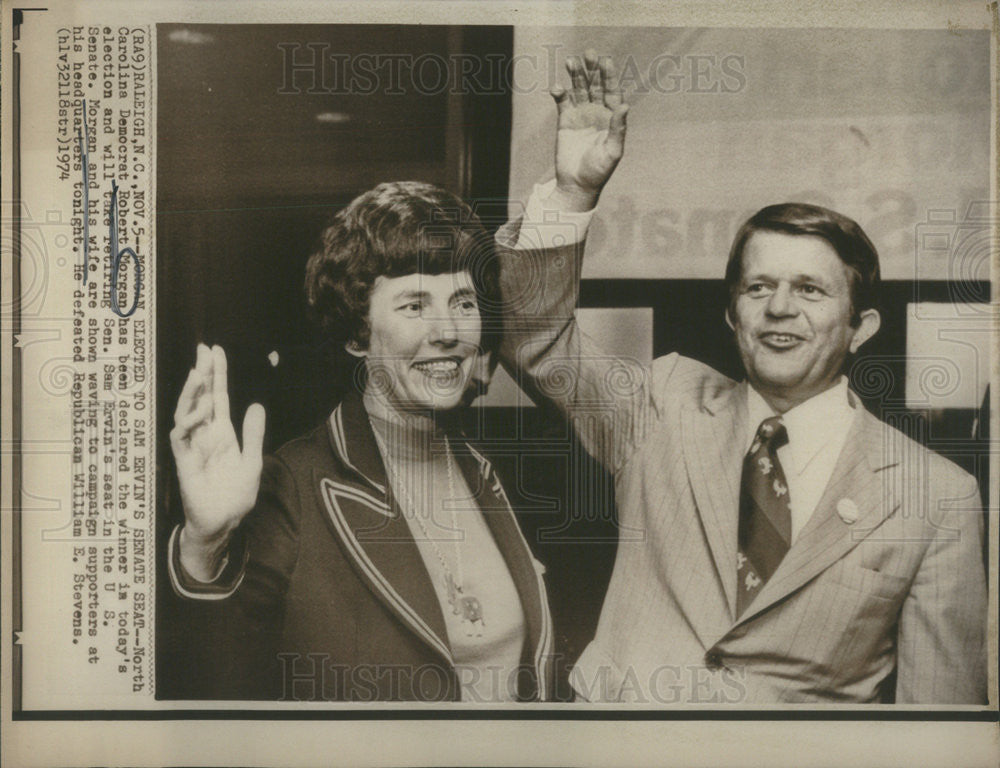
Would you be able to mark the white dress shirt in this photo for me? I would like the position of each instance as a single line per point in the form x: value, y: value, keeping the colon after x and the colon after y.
x: 544, y: 227
x: 817, y: 430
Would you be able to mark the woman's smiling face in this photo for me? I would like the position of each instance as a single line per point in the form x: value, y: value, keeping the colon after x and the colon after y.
x: 423, y: 341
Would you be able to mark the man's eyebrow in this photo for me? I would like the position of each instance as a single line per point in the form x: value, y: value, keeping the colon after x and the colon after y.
x: 805, y: 277
x: 801, y: 277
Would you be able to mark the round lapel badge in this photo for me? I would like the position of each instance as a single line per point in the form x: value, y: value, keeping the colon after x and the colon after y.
x: 848, y: 511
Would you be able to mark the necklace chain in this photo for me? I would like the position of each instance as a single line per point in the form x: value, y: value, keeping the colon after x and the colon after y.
x: 403, y: 490
x: 468, y: 606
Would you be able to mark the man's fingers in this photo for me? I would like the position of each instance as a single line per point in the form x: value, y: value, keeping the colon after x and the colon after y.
x: 561, y: 98
x: 615, y: 142
x: 253, y: 433
x: 609, y: 83
x: 220, y: 391
x: 595, y: 88
x: 579, y: 79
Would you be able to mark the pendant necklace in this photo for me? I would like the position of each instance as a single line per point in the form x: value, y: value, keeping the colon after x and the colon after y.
x: 466, y: 606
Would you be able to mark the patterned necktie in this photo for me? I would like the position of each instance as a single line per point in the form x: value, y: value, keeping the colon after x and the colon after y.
x: 765, y: 531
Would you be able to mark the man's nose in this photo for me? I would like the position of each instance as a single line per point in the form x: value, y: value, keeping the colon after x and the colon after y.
x: 781, y: 302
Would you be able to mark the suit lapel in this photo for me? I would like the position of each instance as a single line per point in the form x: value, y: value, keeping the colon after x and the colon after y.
x: 859, y: 482
x: 373, y: 533
x: 492, y: 500
x: 713, y: 441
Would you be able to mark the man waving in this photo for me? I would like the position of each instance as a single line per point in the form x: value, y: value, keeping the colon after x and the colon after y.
x: 794, y: 548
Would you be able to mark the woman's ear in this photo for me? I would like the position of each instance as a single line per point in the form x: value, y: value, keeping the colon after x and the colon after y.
x: 353, y: 348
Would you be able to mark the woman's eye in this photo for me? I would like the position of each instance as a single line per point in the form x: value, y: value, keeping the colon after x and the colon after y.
x: 467, y: 306
x: 413, y: 309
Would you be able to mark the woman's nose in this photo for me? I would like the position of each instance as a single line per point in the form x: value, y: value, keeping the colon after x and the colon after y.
x: 443, y: 329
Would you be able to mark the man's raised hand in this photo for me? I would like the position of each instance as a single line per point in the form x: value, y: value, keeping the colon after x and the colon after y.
x: 591, y: 131
x: 218, y: 481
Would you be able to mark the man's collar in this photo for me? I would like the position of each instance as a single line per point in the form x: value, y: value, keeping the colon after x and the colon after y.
x: 810, y: 425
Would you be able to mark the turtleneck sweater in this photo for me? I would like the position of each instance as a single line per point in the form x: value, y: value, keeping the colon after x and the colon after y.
x: 482, y: 613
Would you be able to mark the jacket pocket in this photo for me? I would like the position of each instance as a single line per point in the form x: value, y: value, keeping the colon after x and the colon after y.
x: 866, y: 581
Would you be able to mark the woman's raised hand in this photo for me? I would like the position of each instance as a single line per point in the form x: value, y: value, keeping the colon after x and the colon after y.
x: 218, y: 481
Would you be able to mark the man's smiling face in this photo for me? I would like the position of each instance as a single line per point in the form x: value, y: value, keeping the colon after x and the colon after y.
x: 792, y: 316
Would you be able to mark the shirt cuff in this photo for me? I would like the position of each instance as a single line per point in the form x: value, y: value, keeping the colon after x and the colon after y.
x: 543, y: 227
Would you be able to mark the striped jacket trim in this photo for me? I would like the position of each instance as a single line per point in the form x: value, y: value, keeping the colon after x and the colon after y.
x: 184, y: 585
x: 543, y: 650
x: 330, y: 493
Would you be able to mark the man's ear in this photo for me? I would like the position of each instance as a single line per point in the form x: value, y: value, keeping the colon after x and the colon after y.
x: 483, y: 368
x: 871, y: 321
x: 729, y: 320
x: 353, y: 348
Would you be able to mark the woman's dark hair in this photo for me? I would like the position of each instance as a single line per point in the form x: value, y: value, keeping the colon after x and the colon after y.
x: 398, y: 228
x: 843, y: 234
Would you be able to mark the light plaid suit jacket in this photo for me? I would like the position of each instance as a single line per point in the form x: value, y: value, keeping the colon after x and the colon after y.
x: 885, y: 583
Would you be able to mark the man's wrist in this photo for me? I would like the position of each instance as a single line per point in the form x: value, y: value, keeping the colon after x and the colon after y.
x: 571, y: 199
x: 544, y: 225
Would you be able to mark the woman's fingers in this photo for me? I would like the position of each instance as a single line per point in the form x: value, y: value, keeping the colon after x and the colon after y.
x: 204, y: 365
x: 188, y: 422
x: 220, y: 390
x: 203, y: 360
x: 189, y: 394
x: 253, y: 434
x: 179, y: 444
